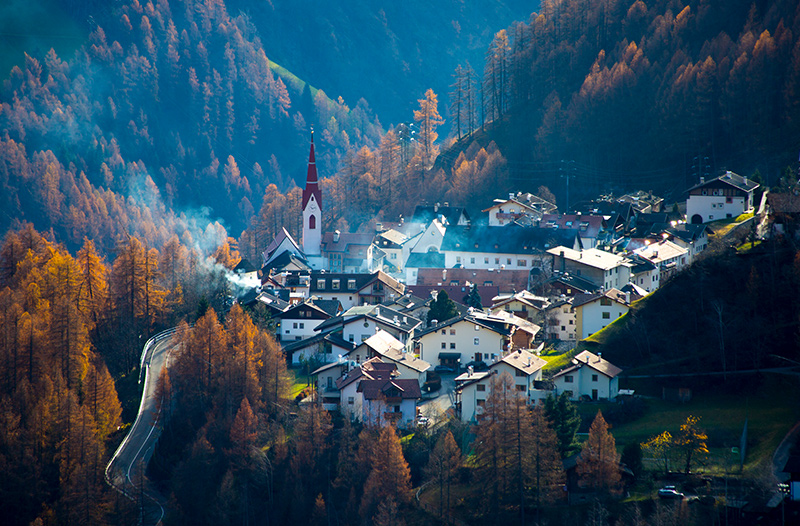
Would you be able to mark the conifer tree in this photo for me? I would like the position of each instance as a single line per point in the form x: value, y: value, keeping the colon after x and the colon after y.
x: 389, y: 477
x: 598, y: 465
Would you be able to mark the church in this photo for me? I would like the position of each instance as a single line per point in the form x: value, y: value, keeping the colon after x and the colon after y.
x: 340, y: 252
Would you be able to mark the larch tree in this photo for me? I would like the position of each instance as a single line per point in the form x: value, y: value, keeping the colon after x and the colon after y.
x: 494, y: 458
x: 598, y: 465
x: 547, y: 472
x: 429, y: 120
x: 389, y: 477
x: 93, y: 285
x: 443, y: 464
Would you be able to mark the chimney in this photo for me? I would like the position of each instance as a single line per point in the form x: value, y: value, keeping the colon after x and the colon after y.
x: 336, y: 234
x: 511, y: 195
x: 702, y: 179
x: 470, y: 370
x: 436, y: 207
x: 378, y: 227
x: 599, y: 356
x: 745, y: 180
x: 377, y: 311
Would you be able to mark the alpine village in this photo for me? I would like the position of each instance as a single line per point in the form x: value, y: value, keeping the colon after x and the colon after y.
x: 400, y: 263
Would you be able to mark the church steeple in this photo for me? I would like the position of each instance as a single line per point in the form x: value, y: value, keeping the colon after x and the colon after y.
x: 312, y: 186
x: 312, y: 208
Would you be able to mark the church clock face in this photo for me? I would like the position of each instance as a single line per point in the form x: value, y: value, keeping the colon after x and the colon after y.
x: 313, y: 205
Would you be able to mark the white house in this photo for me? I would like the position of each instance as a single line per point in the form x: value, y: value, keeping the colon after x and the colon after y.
x: 372, y: 393
x: 559, y: 320
x: 456, y: 342
x: 523, y: 367
x: 604, y: 269
x: 726, y: 196
x: 493, y: 247
x: 299, y: 321
x: 669, y: 257
x: 589, y: 375
x: 391, y: 350
x: 357, y: 324
x: 519, y: 205
x: 524, y: 304
x: 594, y: 312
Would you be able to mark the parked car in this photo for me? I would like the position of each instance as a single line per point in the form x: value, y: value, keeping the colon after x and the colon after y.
x: 422, y: 421
x: 670, y: 492
x: 444, y: 369
x: 478, y: 366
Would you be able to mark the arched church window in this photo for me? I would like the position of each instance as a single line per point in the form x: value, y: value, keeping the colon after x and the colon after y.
x: 312, y: 222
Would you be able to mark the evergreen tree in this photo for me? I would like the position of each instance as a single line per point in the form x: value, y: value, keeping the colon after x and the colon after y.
x: 473, y: 298
x: 563, y: 416
x: 442, y: 308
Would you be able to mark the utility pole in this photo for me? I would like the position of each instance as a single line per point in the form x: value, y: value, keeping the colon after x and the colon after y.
x: 566, y: 171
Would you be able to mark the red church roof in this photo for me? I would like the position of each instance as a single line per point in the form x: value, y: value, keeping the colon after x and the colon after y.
x: 312, y: 188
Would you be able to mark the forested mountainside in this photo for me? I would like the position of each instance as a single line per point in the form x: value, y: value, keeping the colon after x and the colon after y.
x: 387, y: 53
x: 638, y: 94
x: 167, y: 107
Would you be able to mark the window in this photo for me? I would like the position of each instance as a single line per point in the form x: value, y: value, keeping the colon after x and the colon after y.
x: 480, y: 387
x: 480, y: 403
x: 444, y: 332
x: 605, y: 302
x: 393, y: 255
x: 472, y: 261
x: 568, y: 379
x: 458, y: 259
x: 563, y: 328
x: 351, y: 284
x: 335, y: 284
x: 522, y: 388
x: 477, y: 327
x: 571, y: 322
x: 444, y: 345
x: 594, y: 377
x: 302, y: 325
x: 496, y: 261
x: 476, y: 341
x: 454, y: 283
x: 478, y: 357
x: 350, y: 338
x: 521, y: 262
x: 320, y: 283
x: 486, y: 261
x: 508, y: 261
x: 294, y: 325
x: 606, y: 315
x: 519, y: 374
x: 452, y: 332
x: 566, y: 310
x: 487, y: 283
x: 452, y: 345
x: 350, y: 400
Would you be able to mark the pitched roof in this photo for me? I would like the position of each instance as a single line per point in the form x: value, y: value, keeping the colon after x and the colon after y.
x: 330, y: 242
x: 612, y: 294
x: 377, y: 389
x: 283, y: 260
x: 575, y: 282
x: 587, y: 225
x: 522, y: 360
x: 661, y: 251
x: 597, y: 363
x: 591, y: 257
x: 425, y: 260
x: 324, y: 307
x: 735, y: 180
x: 784, y: 203
x: 244, y: 266
x: 378, y: 313
x: 390, y: 348
x: 511, y: 239
x: 520, y: 323
x: 524, y: 296
x: 497, y: 325
x: 273, y: 302
x: 425, y: 214
x: 372, y: 369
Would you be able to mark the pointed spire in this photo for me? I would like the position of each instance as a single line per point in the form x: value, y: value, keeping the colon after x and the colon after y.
x: 312, y: 188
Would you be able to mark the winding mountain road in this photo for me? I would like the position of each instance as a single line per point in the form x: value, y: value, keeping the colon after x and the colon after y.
x: 122, y: 472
